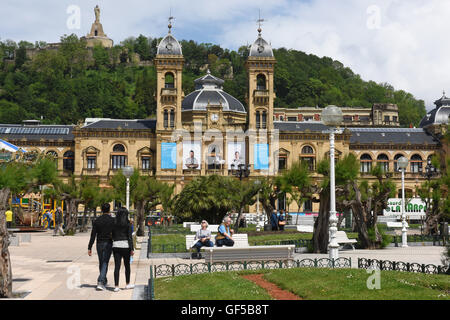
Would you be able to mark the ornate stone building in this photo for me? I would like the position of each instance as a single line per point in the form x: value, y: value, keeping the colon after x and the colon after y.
x: 380, y: 115
x: 210, y: 132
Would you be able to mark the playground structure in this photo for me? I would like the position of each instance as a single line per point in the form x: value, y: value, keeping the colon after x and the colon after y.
x: 35, y: 211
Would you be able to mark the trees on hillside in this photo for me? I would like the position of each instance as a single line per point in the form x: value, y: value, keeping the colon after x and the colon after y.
x: 68, y: 85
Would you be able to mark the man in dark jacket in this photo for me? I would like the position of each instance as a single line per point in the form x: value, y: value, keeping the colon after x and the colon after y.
x: 274, y: 221
x: 58, y: 222
x: 102, y: 230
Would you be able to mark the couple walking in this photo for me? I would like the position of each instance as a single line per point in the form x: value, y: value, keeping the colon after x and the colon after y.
x: 114, y: 235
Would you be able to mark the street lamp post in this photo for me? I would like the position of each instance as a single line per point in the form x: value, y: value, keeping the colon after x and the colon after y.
x: 258, y: 183
x: 332, y: 117
x: 128, y: 172
x: 402, y: 163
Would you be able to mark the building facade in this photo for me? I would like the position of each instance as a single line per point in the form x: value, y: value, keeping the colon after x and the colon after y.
x: 210, y: 132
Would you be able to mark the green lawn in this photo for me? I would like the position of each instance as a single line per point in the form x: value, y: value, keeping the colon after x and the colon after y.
x: 179, y: 239
x: 308, y: 283
x: 210, y: 286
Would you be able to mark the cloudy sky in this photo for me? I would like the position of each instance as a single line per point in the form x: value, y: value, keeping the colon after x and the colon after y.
x: 401, y: 42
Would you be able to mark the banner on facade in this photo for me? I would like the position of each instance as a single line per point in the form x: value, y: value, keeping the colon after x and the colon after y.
x: 168, y: 155
x: 261, y: 156
x: 192, y: 155
x: 413, y: 206
x: 236, y: 154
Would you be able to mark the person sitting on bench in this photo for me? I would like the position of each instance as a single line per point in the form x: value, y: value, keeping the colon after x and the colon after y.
x: 203, y: 239
x: 224, y: 235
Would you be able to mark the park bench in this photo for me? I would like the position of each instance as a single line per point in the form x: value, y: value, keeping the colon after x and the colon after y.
x: 309, y: 229
x: 240, y: 240
x: 391, y: 224
x: 242, y: 251
x: 341, y: 237
x: 188, y: 224
x: 211, y: 227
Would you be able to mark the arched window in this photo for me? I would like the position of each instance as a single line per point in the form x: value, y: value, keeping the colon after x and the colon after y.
x: 366, y: 163
x: 383, y: 161
x: 52, y: 153
x: 397, y: 156
x: 258, y: 120
x: 119, y: 148
x: 308, y: 157
x: 264, y: 120
x: 261, y: 82
x: 118, y: 157
x: 166, y: 118
x: 69, y: 161
x: 416, y: 163
x: 172, y: 118
x: 169, y: 80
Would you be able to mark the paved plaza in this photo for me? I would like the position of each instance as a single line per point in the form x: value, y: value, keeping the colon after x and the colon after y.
x: 59, y: 268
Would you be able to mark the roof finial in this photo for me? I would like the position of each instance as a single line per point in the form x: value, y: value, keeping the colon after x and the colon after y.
x: 208, y: 71
x: 260, y: 21
x: 443, y: 92
x: 170, y: 20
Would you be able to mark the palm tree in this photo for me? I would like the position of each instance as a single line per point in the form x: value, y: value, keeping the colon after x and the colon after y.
x: 206, y: 197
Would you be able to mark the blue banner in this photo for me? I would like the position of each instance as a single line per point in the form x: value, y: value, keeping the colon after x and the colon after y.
x: 261, y: 157
x: 168, y: 155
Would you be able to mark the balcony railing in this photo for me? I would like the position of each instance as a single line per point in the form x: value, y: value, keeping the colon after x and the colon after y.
x: 168, y: 92
x: 260, y: 93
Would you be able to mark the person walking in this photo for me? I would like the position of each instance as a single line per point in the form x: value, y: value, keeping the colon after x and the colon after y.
x: 122, y: 234
x: 9, y: 218
x: 202, y: 239
x: 102, y: 231
x: 58, y: 222
x: 274, y: 220
x: 224, y: 235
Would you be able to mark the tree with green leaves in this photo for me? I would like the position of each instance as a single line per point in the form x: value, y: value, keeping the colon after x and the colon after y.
x: 270, y: 190
x: 145, y: 193
x: 367, y: 200
x: 296, y: 182
x: 435, y: 194
x: 11, y: 175
x: 206, y: 197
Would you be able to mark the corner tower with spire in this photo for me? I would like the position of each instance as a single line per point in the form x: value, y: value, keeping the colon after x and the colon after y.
x: 169, y: 63
x: 260, y: 68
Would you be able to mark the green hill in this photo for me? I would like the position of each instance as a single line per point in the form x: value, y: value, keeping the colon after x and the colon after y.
x: 67, y: 85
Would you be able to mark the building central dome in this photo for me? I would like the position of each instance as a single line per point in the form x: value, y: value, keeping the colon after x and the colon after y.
x: 209, y: 92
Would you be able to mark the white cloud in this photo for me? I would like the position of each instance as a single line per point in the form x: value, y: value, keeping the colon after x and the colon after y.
x: 399, y: 42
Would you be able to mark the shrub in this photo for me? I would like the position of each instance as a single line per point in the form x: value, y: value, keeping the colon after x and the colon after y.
x: 385, y: 238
